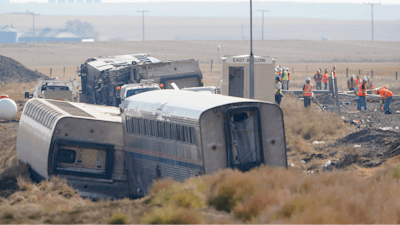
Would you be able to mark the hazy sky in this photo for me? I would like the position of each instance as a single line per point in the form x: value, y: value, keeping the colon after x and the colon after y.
x: 309, y: 1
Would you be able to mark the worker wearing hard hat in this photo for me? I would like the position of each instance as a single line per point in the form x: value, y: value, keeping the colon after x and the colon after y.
x: 325, y: 79
x: 278, y: 90
x: 387, y: 96
x: 318, y: 79
x: 358, y: 80
x: 361, y: 92
x: 284, y: 78
x: 334, y: 71
x: 351, y: 83
x: 307, y: 92
x: 288, y: 80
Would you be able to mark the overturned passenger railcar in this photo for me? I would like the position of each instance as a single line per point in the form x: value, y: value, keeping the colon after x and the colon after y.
x: 81, y: 142
x: 180, y: 134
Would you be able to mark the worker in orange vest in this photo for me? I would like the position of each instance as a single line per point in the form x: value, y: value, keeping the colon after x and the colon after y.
x: 325, y: 79
x: 361, y: 92
x: 370, y: 84
x: 288, y: 80
x: 307, y: 92
x: 318, y: 79
x: 334, y: 71
x: 386, y: 95
x: 351, y: 83
x: 358, y: 80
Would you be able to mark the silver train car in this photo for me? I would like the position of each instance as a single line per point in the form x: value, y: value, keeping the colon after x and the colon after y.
x: 81, y: 142
x: 181, y: 134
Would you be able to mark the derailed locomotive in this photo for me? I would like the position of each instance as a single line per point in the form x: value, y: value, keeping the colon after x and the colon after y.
x: 164, y: 133
x: 102, y: 77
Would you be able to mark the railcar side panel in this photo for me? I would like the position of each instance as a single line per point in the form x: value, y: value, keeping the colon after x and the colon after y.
x: 159, y: 148
x: 33, y: 144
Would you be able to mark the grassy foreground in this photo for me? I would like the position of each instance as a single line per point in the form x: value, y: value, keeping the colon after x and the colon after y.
x: 262, y: 195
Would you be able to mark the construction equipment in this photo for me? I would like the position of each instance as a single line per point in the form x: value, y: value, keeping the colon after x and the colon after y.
x: 103, y: 77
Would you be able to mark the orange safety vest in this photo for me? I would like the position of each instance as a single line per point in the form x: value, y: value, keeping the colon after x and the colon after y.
x: 325, y: 78
x: 288, y: 76
x: 358, y: 82
x: 351, y: 84
x: 385, y: 93
x: 307, y: 92
x: 360, y: 92
x: 371, y: 86
x: 334, y: 74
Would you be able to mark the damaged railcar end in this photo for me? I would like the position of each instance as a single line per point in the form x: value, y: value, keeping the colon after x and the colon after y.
x: 80, y: 142
x: 180, y: 134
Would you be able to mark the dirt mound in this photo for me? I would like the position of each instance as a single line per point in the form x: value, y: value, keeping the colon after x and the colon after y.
x: 13, y: 71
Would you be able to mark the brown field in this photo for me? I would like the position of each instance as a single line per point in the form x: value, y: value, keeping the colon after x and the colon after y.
x: 264, y: 195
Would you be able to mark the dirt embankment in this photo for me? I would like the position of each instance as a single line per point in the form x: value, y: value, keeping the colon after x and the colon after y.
x: 13, y: 71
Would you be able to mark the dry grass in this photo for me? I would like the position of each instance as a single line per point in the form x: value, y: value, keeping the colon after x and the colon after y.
x: 271, y: 195
x: 305, y: 125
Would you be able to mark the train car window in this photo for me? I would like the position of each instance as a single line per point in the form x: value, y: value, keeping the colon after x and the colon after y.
x: 185, y: 134
x: 154, y: 129
x: 66, y: 156
x: 147, y: 127
x: 35, y: 112
x: 167, y: 130
x: 173, y: 132
x: 136, y: 125
x: 128, y: 124
x: 142, y: 129
x: 245, y: 136
x: 179, y: 136
x: 28, y: 108
x: 192, y: 131
x: 40, y: 115
x: 160, y: 129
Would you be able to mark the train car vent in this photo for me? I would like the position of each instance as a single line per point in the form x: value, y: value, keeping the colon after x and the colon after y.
x: 73, y: 110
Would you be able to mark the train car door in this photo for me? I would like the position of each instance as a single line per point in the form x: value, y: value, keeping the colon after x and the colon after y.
x: 236, y: 81
x: 244, y: 137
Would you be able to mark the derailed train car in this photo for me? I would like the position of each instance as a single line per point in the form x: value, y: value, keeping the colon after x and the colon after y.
x: 163, y: 133
x: 180, y: 134
x: 81, y: 142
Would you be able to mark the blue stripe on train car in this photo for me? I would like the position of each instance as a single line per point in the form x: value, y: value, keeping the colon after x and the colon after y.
x: 165, y: 160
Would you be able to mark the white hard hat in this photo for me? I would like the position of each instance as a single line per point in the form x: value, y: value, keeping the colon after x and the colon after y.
x: 365, y: 79
x: 352, y: 76
x: 287, y: 69
x: 308, y: 79
x: 276, y: 70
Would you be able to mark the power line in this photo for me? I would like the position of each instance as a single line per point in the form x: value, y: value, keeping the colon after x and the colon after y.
x: 372, y: 16
x: 261, y: 10
x: 143, y: 11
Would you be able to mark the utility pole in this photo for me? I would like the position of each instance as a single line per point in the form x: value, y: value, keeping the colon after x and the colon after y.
x: 372, y: 16
x: 143, y: 11
x: 242, y: 37
x: 251, y: 53
x: 263, y: 22
x: 33, y: 21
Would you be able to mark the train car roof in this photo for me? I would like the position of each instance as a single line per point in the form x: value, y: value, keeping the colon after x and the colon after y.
x: 118, y: 61
x: 75, y: 109
x: 185, y: 104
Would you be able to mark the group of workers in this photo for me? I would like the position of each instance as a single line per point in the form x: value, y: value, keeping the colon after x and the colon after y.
x: 359, y: 86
